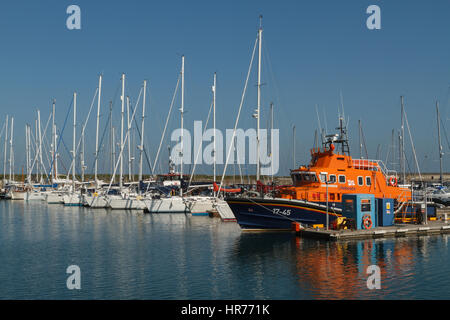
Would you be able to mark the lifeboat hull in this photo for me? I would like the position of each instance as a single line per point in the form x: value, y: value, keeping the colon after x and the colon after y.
x: 278, y: 214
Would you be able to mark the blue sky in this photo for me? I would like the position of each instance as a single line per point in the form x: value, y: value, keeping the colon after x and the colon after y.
x: 313, y: 50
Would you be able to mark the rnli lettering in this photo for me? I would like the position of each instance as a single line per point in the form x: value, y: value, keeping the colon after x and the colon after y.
x: 347, y: 188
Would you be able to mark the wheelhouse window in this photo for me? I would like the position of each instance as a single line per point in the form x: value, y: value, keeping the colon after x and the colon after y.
x: 332, y: 178
x: 360, y: 181
x: 368, y: 181
x: 306, y: 177
x: 341, y: 178
x: 323, y: 177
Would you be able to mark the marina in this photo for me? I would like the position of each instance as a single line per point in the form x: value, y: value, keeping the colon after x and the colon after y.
x: 131, y: 255
x: 192, y: 151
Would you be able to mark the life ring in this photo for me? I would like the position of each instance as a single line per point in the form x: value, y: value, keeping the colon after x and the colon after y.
x: 392, y: 181
x: 367, y: 221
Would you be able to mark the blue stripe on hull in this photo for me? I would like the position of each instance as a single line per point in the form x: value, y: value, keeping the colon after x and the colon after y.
x: 250, y: 215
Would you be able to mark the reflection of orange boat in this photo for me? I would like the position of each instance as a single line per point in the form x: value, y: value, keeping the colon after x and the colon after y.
x: 338, y: 270
x: 330, y: 174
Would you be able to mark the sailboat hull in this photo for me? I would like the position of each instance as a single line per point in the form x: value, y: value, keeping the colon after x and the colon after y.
x: 127, y: 204
x: 18, y: 195
x: 200, y: 206
x: 95, y: 201
x: 167, y: 205
x: 73, y: 200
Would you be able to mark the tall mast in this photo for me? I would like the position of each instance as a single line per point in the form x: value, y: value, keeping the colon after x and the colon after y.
x: 293, y: 145
x: 182, y: 112
x: 113, y: 156
x: 402, y: 141
x: 27, y: 153
x: 36, y: 148
x: 360, y: 140
x: 40, y: 146
x: 441, y: 179
x: 258, y: 112
x: 271, y: 140
x: 74, y: 139
x: 83, y: 167
x: 11, y: 163
x: 129, y: 139
x: 54, y: 155
x: 141, y: 148
x: 214, y: 124
x: 98, y: 125
x: 5, y: 151
x: 121, y: 131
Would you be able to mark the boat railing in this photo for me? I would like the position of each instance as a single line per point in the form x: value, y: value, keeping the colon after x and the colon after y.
x: 373, y: 165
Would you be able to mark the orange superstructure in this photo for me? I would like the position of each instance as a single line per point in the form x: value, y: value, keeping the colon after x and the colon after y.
x: 344, y: 175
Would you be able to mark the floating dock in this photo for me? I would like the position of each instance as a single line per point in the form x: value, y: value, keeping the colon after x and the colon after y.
x: 397, y: 230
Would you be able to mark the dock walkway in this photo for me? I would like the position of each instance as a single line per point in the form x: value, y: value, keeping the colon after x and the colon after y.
x: 397, y: 230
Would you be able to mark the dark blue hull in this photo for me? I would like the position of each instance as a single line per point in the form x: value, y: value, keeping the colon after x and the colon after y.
x: 255, y: 213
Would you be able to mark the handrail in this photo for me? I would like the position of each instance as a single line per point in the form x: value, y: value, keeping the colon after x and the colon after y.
x: 373, y: 165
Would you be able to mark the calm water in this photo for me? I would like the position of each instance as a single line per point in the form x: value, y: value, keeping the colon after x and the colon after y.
x: 128, y: 255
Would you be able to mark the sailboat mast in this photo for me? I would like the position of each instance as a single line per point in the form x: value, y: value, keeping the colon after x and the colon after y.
x: 74, y: 139
x: 83, y: 167
x: 5, y: 151
x: 121, y: 131
x: 182, y: 114
x: 98, y: 125
x: 129, y: 139
x: 214, y: 125
x: 360, y: 140
x: 27, y: 153
x: 113, y: 158
x: 441, y: 179
x: 40, y: 146
x: 258, y: 112
x: 54, y: 156
x: 293, y: 145
x: 271, y: 140
x: 11, y: 150
x: 141, y: 156
x: 402, y: 146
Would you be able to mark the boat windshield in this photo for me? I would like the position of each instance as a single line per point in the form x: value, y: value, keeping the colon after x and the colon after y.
x: 303, y: 177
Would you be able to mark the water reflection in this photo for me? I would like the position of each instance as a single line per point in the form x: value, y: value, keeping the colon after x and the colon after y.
x: 131, y: 255
x: 411, y: 268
